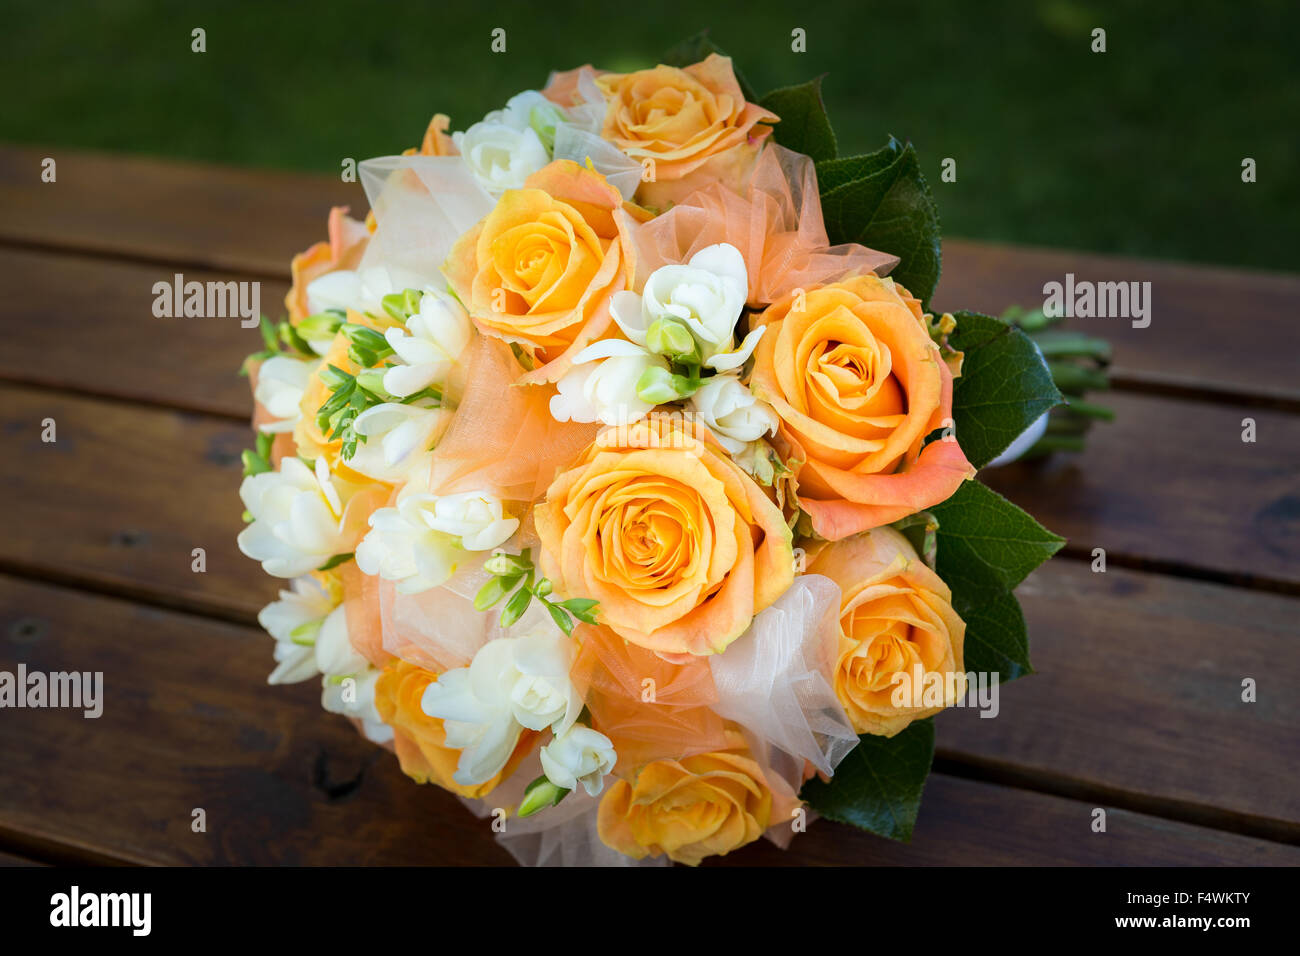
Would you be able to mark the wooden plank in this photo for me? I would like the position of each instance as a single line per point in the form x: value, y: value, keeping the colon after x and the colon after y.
x: 88, y: 325
x: 1212, y: 330
x: 122, y: 497
x: 1171, y: 483
x: 119, y: 501
x: 188, y: 722
x: 1138, y: 694
x: 147, y: 485
x: 215, y: 217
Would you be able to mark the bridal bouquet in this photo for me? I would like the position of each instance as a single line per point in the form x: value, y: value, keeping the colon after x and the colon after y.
x: 622, y: 478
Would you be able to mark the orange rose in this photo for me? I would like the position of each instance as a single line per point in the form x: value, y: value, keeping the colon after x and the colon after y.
x: 706, y: 805
x: 562, y: 86
x: 347, y: 242
x: 858, y: 385
x: 896, y: 624
x: 420, y: 741
x: 436, y: 142
x: 677, y: 544
x: 692, y: 123
x: 540, y: 269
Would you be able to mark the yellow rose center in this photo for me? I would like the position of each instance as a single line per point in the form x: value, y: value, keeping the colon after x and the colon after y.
x: 648, y: 533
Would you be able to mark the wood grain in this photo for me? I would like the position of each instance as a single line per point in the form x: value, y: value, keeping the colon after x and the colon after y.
x: 123, y: 496
x: 88, y: 326
x: 201, y: 215
x: 1138, y: 695
x: 1213, y: 332
x: 188, y: 722
x: 170, y: 479
x: 1170, y: 482
x: 119, y: 501
x: 253, y: 221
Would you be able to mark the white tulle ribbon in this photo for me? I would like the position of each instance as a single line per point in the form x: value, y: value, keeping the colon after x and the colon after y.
x: 562, y: 835
x: 423, y: 204
x: 775, y: 682
x: 573, y: 142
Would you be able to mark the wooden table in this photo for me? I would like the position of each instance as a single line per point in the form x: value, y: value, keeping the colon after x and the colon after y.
x: 1136, y: 706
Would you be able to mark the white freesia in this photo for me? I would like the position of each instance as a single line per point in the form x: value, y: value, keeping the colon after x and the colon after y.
x: 359, y: 290
x: 579, y: 755
x: 429, y: 345
x: 295, y: 620
x: 397, y: 438
x: 297, y: 518
x: 707, y: 296
x: 335, y: 654
x: 353, y: 696
x: 513, y: 683
x: 419, y: 543
x: 504, y: 149
x: 281, y: 381
x: 732, y: 412
x: 601, y: 386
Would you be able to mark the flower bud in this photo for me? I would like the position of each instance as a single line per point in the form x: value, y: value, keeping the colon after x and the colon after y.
x: 659, y: 386
x: 672, y: 339
x: 541, y: 793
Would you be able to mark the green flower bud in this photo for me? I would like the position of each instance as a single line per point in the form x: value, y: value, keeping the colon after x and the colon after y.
x: 658, y: 386
x: 372, y: 381
x: 402, y: 305
x: 321, y: 325
x: 541, y: 793
x: 671, y: 339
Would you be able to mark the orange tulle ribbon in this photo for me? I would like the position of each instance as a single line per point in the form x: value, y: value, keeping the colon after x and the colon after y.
x: 776, y: 223
x: 648, y: 708
x: 503, y: 437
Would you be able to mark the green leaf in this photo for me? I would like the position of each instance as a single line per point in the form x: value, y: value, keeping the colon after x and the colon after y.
x: 1003, y: 388
x: 581, y: 608
x: 335, y: 561
x: 987, y: 542
x: 254, y: 464
x: 832, y: 173
x: 997, y: 641
x: 986, y: 546
x: 698, y: 47
x: 267, y: 329
x: 560, y: 617
x: 877, y: 787
x: 887, y: 207
x: 804, y: 125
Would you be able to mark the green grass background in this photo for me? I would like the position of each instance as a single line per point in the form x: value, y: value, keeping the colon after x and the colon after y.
x: 1135, y: 151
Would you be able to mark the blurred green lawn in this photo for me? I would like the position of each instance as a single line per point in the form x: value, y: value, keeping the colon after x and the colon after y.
x: 1135, y: 151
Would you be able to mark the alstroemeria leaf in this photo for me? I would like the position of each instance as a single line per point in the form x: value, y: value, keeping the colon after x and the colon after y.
x: 1003, y: 389
x: 886, y: 206
x: 877, y: 787
x: 804, y: 125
